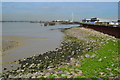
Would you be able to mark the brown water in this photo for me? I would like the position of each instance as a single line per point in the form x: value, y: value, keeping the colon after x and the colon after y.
x: 38, y: 39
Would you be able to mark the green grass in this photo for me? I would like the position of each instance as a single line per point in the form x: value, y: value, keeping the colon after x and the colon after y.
x: 92, y: 67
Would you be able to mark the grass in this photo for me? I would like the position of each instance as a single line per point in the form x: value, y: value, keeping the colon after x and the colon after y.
x: 105, y: 68
x: 103, y: 65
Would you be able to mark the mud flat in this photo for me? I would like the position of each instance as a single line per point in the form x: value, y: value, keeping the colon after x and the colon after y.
x: 6, y: 45
x: 11, y: 42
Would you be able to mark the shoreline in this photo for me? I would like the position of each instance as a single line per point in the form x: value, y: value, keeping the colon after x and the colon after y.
x: 76, y: 42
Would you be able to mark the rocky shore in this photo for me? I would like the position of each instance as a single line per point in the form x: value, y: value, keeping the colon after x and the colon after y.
x: 76, y: 42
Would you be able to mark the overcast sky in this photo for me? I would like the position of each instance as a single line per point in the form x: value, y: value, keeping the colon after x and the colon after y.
x: 61, y: 0
x: 58, y: 10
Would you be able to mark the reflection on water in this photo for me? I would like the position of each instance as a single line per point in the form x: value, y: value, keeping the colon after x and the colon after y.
x: 42, y: 39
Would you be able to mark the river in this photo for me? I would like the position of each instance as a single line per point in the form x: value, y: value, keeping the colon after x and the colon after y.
x: 37, y: 40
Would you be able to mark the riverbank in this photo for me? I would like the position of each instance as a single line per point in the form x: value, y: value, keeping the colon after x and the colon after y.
x: 74, y: 58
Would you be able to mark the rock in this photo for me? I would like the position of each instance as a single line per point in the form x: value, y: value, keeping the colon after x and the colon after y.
x: 86, y: 55
x: 108, y: 68
x: 101, y: 73
x: 11, y: 76
x: 112, y: 64
x: 55, y: 75
x: 64, y: 75
x: 60, y: 71
x: 80, y: 72
x: 77, y: 70
x: 105, y: 57
x: 72, y: 73
x: 100, y: 59
x: 69, y: 76
x: 77, y: 65
x: 66, y: 71
x: 34, y: 76
x: 5, y: 68
x: 77, y: 75
x: 72, y: 69
x: 18, y: 71
x: 45, y: 76
x: 38, y: 76
x: 93, y: 56
x: 11, y: 65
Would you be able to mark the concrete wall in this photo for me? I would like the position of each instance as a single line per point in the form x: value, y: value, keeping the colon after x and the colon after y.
x: 114, y: 31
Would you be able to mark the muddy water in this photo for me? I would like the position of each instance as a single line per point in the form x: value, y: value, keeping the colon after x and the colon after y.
x: 37, y: 39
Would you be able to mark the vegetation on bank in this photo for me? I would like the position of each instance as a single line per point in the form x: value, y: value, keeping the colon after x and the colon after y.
x: 101, y: 63
x: 93, y: 57
x: 105, y: 64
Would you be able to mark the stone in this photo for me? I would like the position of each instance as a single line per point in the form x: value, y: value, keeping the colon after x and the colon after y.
x: 93, y: 56
x: 77, y: 75
x: 105, y: 57
x: 47, y: 74
x: 86, y: 55
x: 72, y: 69
x: 101, y: 73
x: 77, y: 70
x: 112, y: 64
x: 34, y: 76
x: 80, y: 72
x: 18, y: 71
x: 69, y: 76
x: 77, y: 65
x: 108, y: 68
x: 100, y: 59
x: 55, y: 75
x: 64, y: 75
x: 66, y: 71
x: 5, y: 68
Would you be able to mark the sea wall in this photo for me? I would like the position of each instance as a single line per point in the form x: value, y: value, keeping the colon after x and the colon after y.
x: 114, y: 31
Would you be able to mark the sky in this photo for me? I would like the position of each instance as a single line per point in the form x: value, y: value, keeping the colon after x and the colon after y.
x: 58, y: 10
x: 60, y: 0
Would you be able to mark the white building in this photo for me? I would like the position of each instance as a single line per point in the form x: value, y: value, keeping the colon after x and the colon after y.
x: 113, y: 23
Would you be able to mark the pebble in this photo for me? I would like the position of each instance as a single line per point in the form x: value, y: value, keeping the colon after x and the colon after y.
x: 87, y: 55
x: 105, y: 57
x: 49, y: 59
x: 55, y: 75
x: 47, y: 74
x: 93, y: 56
x: 18, y: 71
x: 64, y: 75
x: 69, y: 76
x: 101, y: 73
x: 100, y: 59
